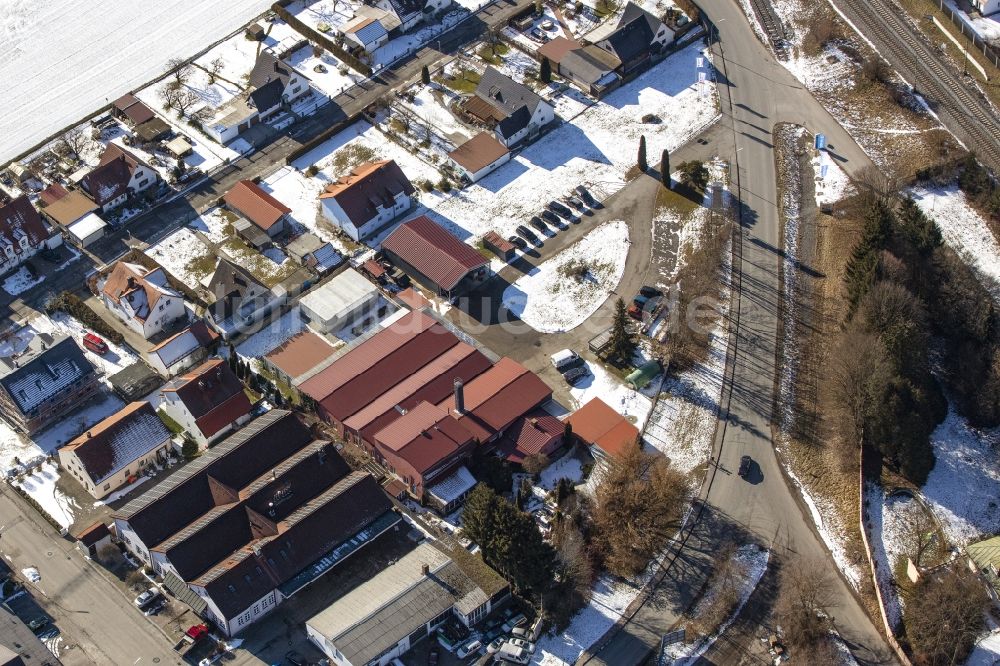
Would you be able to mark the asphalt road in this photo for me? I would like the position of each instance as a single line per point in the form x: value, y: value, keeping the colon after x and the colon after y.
x: 756, y: 93
x: 99, y: 624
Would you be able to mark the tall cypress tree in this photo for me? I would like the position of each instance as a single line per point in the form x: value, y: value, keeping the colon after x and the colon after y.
x: 622, y: 345
x: 641, y: 162
x: 425, y: 75
x: 665, y: 168
x: 545, y: 71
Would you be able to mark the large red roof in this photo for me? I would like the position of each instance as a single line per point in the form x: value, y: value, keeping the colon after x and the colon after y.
x: 428, y: 247
x: 424, y: 436
x: 596, y: 423
x: 249, y: 200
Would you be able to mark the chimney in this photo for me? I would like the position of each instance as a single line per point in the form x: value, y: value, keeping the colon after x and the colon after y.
x: 459, y: 396
x: 425, y: 570
x: 534, y: 423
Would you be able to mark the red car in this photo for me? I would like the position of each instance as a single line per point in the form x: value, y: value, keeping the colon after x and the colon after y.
x: 635, y: 312
x: 95, y: 344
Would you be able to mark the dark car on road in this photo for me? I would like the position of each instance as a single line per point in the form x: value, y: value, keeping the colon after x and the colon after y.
x: 527, y: 233
x: 560, y: 210
x: 518, y: 242
x: 744, y: 466
x: 649, y: 292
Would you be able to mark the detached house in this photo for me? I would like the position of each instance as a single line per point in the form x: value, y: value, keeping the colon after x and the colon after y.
x: 22, y: 233
x: 637, y: 36
x: 590, y: 67
x: 513, y: 110
x: 276, y: 85
x: 182, y: 350
x: 208, y: 402
x: 249, y: 200
x: 240, y: 300
x: 119, y: 175
x: 141, y: 298
x: 367, y: 199
x: 74, y: 212
x: 408, y: 13
x: 117, y: 450
x: 42, y: 378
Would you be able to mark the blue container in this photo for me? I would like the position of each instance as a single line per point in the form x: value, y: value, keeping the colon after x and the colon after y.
x: 820, y: 142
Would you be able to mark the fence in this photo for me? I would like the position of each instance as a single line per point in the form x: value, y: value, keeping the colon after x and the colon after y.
x: 988, y: 52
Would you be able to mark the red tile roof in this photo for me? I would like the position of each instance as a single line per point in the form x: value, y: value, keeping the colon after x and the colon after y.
x: 413, y: 298
x: 556, y: 49
x: 425, y: 436
x: 213, y: 395
x: 478, y: 152
x: 20, y: 217
x: 368, y: 186
x: 300, y: 354
x: 249, y: 200
x: 200, y: 330
x: 428, y: 247
x: 108, y: 181
x: 119, y: 440
x: 597, y: 424
x: 52, y: 193
x: 498, y: 241
x: 531, y: 434
x: 93, y: 534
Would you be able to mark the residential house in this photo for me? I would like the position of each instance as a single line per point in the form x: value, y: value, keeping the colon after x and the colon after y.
x: 142, y: 298
x: 42, y: 379
x: 117, y: 450
x: 346, y: 300
x: 601, y: 428
x: 240, y: 300
x: 248, y: 199
x: 435, y: 258
x: 986, y: 7
x: 94, y: 539
x: 232, y: 119
x: 276, y: 85
x: 382, y: 618
x: 590, y: 67
x: 408, y: 13
x: 183, y: 349
x: 420, y: 399
x: 539, y: 433
x: 637, y: 36
x: 74, y: 212
x: 253, y: 520
x: 369, y: 29
x: 22, y: 233
x: 311, y: 252
x: 367, y: 199
x: 119, y: 175
x: 513, y: 110
x: 479, y: 156
x: 299, y: 357
x: 208, y: 402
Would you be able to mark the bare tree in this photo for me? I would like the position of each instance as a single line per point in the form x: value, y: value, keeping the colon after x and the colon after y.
x: 214, y: 68
x: 535, y: 463
x: 920, y: 534
x: 180, y: 100
x: 944, y: 616
x: 180, y: 70
x: 75, y: 141
x: 856, y: 359
x: 805, y: 599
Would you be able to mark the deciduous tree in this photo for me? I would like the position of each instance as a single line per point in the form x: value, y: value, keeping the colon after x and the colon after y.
x: 944, y: 616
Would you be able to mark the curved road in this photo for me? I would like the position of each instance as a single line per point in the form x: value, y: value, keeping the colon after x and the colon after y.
x: 756, y: 94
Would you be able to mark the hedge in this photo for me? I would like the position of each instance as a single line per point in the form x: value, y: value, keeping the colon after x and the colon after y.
x: 322, y: 40
x: 74, y: 306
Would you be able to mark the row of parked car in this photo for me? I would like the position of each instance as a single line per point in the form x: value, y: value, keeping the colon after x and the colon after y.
x: 644, y: 301
x: 555, y: 217
x: 570, y: 365
x: 507, y: 642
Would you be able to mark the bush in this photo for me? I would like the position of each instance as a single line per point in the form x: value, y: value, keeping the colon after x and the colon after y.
x: 312, y: 170
x: 74, y: 306
x: 426, y: 185
x: 445, y: 185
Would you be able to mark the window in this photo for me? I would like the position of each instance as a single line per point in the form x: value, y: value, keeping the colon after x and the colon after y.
x: 161, y: 307
x: 246, y: 616
x: 107, y: 486
x: 144, y: 182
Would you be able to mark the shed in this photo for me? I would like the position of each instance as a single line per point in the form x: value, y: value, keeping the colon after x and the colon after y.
x: 600, y: 342
x: 255, y: 32
x: 256, y: 237
x: 87, y: 229
x: 479, y: 156
x: 153, y: 129
x: 346, y: 299
x: 179, y: 147
x: 644, y: 374
x: 94, y: 538
x: 499, y: 245
x: 134, y: 382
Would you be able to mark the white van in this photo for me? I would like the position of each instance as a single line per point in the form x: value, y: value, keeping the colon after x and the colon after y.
x: 510, y: 652
x: 563, y: 359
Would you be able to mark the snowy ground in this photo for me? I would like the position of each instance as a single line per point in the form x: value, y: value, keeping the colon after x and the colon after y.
x: 835, y: 185
x: 430, y: 104
x: 40, y: 485
x: 551, y: 301
x: 20, y: 281
x: 175, y: 253
x: 987, y: 651
x: 118, y: 357
x: 892, y: 523
x: 964, y: 485
x: 331, y: 82
x: 58, y: 42
x: 411, y: 42
x: 620, y: 397
x: 988, y: 27
x: 319, y: 15
x: 965, y: 230
x: 595, y: 149
x: 272, y: 335
x: 752, y: 561
x: 568, y: 467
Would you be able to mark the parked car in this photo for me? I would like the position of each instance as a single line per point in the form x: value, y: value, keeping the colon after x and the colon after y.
x: 745, y: 466
x: 521, y: 643
x: 147, y: 597
x: 587, y: 197
x: 547, y: 24
x: 537, y: 223
x: 38, y: 624
x: 518, y: 620
x: 518, y: 242
x: 528, y: 234
x: 496, y: 644
x: 469, y: 649
x: 560, y: 209
x: 550, y: 217
x: 635, y: 312
x: 573, y: 375
x: 513, y: 653
x: 48, y: 254
x: 576, y: 203
x: 538, y: 35
x: 433, y: 655
x: 640, y: 301
x: 522, y: 632
x: 565, y: 359
x: 650, y: 292
x: 95, y: 344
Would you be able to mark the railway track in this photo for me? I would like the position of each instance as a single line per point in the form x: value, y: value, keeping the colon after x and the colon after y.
x: 978, y: 127
x: 772, y: 26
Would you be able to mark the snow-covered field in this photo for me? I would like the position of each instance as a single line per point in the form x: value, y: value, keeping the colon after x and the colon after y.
x: 40, y: 485
x: 330, y: 81
x: 430, y: 104
x: 964, y: 485
x: 551, y: 300
x: 175, y: 253
x: 965, y: 230
x: 20, y: 281
x: 987, y: 651
x: 59, y: 42
x: 620, y: 397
